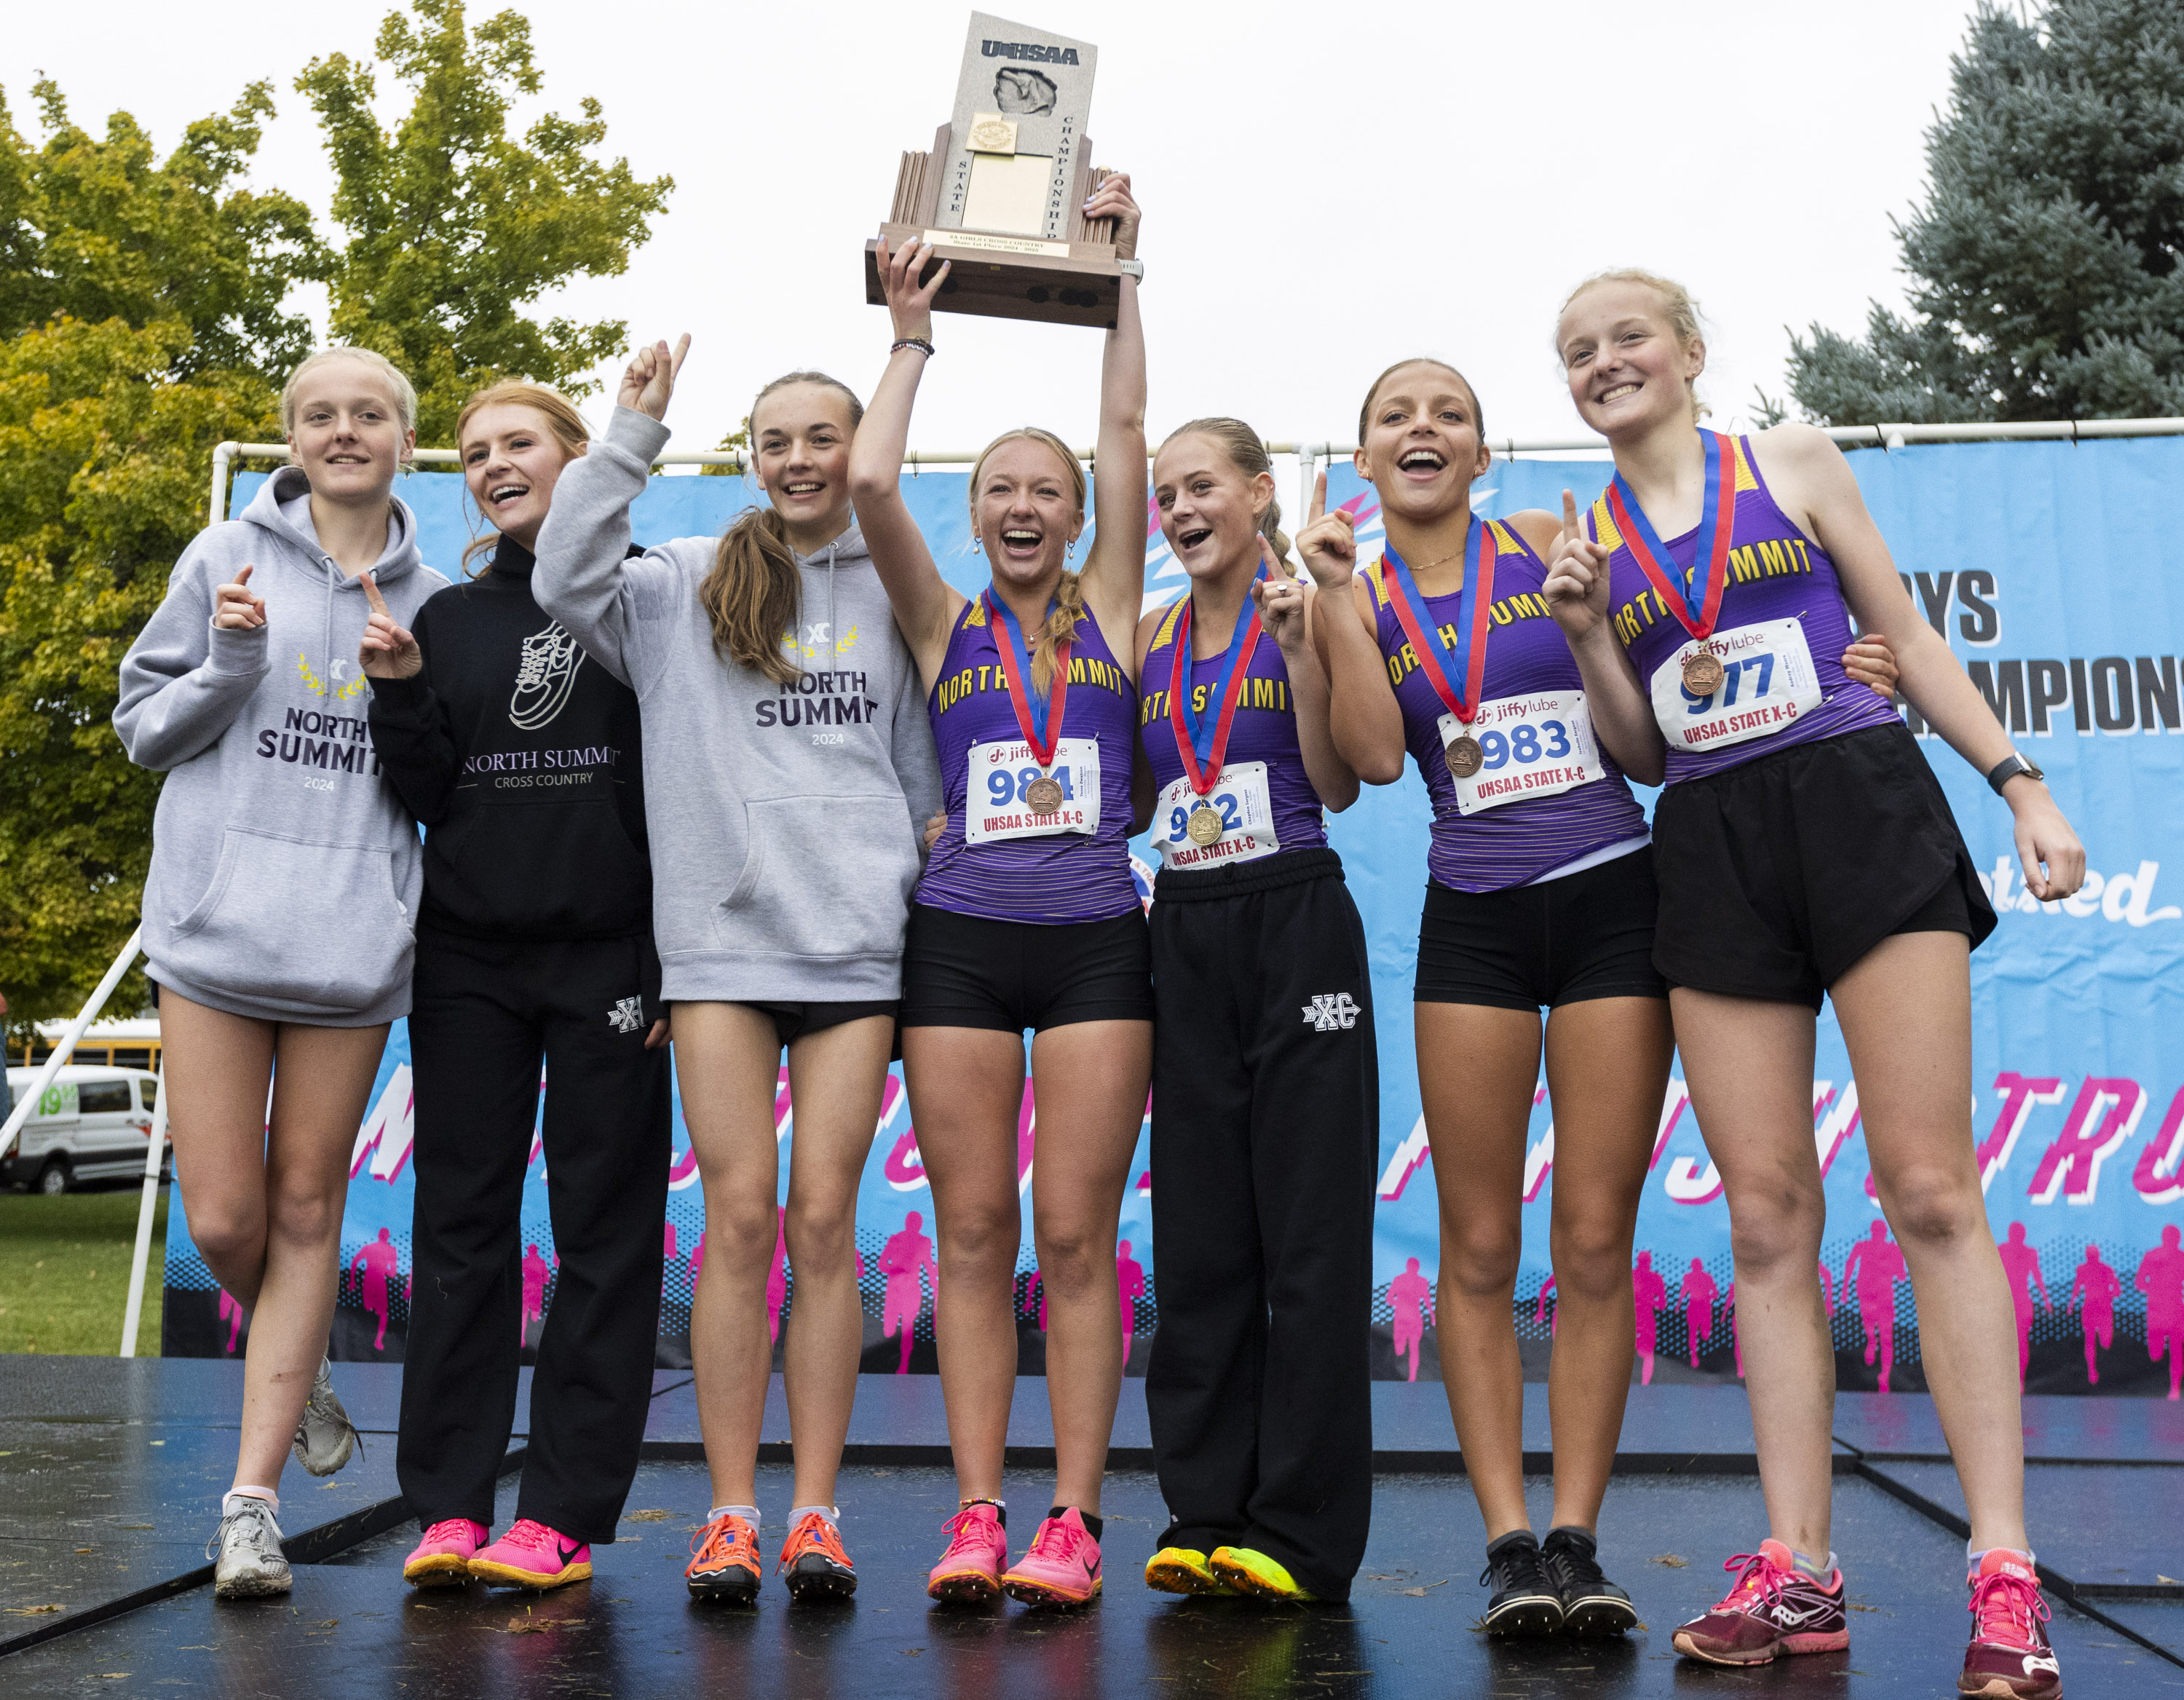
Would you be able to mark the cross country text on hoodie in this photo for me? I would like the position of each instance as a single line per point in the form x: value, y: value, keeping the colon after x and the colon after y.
x: 285, y: 872
x: 784, y: 818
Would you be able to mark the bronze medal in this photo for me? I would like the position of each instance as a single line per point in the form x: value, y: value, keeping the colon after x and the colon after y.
x: 1704, y: 673
x: 1204, y: 825
x: 1044, y: 795
x: 1465, y: 757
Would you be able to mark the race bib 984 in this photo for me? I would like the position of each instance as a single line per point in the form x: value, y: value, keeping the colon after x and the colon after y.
x: 996, y: 803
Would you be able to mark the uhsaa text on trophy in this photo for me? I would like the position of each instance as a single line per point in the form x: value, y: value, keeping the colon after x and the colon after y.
x: 1002, y: 193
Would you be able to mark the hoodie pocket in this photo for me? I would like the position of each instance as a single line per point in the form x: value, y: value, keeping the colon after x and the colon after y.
x: 315, y: 926
x: 821, y: 877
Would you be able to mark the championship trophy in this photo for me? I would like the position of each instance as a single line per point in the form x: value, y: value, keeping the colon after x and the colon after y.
x: 1002, y: 193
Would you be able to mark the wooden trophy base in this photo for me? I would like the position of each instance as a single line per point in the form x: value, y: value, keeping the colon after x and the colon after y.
x: 997, y: 274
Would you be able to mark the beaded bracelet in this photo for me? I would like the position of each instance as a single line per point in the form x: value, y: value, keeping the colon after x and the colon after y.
x: 918, y: 343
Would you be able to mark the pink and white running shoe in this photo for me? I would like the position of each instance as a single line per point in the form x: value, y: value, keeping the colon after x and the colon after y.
x: 443, y: 1557
x: 2009, y: 1657
x: 532, y: 1556
x: 969, y: 1573
x: 1773, y: 1608
x: 1061, y: 1569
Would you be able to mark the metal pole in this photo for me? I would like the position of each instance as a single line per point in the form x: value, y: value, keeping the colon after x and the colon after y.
x: 143, y: 1258
x: 220, y: 457
x: 62, y: 1052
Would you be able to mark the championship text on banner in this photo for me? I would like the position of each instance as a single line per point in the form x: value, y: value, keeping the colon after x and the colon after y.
x: 2049, y: 570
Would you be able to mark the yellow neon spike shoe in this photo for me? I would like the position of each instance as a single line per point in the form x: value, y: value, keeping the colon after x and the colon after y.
x: 1249, y: 1571
x: 1183, y: 1570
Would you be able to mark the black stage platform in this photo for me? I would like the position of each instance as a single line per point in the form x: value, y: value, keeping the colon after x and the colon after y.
x: 110, y: 1469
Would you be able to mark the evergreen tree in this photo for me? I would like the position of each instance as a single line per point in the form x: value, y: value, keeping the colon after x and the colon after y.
x: 2046, y: 260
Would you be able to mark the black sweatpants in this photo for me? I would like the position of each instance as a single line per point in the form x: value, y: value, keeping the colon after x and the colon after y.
x: 1266, y: 1129
x: 482, y: 1016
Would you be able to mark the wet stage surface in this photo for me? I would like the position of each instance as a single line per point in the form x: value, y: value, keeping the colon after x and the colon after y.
x: 1686, y: 1500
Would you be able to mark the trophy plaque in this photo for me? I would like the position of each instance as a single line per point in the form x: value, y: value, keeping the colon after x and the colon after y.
x: 1001, y: 195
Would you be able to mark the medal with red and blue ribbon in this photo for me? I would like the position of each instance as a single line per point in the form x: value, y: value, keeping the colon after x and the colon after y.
x: 1468, y: 661
x: 1202, y: 740
x: 1696, y: 601
x: 1038, y: 719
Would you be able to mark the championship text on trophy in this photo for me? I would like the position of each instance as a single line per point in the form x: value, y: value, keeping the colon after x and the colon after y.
x: 1002, y: 193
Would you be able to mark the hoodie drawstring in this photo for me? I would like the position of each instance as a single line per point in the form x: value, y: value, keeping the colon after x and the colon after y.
x: 833, y: 638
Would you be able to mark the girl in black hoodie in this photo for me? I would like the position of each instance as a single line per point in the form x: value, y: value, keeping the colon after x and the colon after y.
x: 520, y: 755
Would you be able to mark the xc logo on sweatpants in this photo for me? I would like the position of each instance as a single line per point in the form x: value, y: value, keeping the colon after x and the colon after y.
x: 627, y: 1015
x: 1329, y: 1010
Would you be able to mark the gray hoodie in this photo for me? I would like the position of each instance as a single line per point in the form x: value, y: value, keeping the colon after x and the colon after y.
x: 784, y: 819
x: 285, y: 873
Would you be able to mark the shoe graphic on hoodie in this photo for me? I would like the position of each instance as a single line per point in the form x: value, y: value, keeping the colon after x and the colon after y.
x: 545, y: 674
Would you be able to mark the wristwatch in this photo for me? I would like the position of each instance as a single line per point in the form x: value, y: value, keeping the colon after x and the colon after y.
x: 2008, y: 768
x: 1131, y: 268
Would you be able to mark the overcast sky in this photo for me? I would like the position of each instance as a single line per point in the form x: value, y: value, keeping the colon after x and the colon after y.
x: 1327, y: 188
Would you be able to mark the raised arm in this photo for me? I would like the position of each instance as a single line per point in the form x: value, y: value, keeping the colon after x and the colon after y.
x: 581, y: 577
x: 192, y: 666
x: 1811, y: 471
x: 1364, y: 721
x: 1286, y: 611
x: 1115, y: 573
x: 925, y: 604
x: 1577, y: 595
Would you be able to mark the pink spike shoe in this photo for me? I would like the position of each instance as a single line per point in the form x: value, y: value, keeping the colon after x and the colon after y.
x: 969, y: 1573
x: 532, y: 1556
x: 443, y: 1557
x: 1061, y: 1569
x: 1773, y: 1608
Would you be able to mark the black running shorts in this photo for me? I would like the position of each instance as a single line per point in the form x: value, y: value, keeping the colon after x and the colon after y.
x: 1585, y: 936
x: 966, y: 971
x: 1779, y: 874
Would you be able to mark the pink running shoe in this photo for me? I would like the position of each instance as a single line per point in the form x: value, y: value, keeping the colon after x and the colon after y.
x: 1775, y: 1608
x: 443, y: 1557
x: 532, y: 1556
x: 969, y: 1573
x: 1061, y: 1569
x: 2010, y: 1657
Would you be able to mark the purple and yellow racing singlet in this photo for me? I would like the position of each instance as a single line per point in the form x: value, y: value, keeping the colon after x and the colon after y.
x: 1263, y: 797
x: 1546, y: 793
x: 1778, y: 630
x: 997, y: 858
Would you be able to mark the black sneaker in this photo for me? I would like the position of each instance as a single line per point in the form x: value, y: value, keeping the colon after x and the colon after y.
x: 1525, y: 1601
x: 1592, y: 1604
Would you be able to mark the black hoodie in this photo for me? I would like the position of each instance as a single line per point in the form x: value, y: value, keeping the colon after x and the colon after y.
x: 521, y: 756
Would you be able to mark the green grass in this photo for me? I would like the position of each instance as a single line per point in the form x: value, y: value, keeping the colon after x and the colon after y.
x: 65, y: 1271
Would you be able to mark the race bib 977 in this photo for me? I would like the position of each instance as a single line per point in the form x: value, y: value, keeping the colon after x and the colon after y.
x: 1768, y: 682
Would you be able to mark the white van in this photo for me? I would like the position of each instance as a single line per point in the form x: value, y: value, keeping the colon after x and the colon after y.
x: 92, y: 1124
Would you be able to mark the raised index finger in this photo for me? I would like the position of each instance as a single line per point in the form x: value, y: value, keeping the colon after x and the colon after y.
x: 371, y: 594
x: 1319, y: 497
x: 1570, y: 516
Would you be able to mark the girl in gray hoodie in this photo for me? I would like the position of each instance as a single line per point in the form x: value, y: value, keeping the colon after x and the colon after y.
x: 787, y: 766
x: 282, y: 891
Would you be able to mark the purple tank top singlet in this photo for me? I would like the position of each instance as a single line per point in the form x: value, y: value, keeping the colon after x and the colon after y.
x: 1051, y: 879
x: 1516, y: 842
x: 1264, y: 730
x: 1774, y: 573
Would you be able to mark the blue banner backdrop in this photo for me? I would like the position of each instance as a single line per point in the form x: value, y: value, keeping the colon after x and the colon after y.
x: 2049, y: 570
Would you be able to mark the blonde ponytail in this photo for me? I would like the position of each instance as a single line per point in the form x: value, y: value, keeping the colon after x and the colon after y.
x: 1247, y: 454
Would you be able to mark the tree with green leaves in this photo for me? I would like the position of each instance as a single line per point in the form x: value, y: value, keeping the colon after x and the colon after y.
x: 2046, y: 261
x: 453, y: 227
x: 144, y: 319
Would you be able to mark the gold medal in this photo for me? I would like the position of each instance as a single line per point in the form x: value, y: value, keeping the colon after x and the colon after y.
x: 1044, y: 794
x: 1465, y: 757
x: 1204, y: 825
x: 1704, y: 673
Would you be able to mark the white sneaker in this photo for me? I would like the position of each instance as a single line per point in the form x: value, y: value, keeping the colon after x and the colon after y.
x: 251, y: 1563
x: 325, y: 1438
